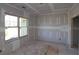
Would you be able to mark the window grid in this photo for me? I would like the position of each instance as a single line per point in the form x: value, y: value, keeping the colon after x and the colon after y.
x: 18, y: 26
x: 23, y: 25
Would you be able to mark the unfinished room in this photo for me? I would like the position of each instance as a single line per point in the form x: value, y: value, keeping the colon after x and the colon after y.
x: 39, y: 29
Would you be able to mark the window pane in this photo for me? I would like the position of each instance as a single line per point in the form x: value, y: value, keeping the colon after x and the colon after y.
x: 23, y: 22
x: 23, y: 31
x: 10, y: 20
x: 11, y: 33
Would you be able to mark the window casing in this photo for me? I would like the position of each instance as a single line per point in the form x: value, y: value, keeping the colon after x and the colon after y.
x: 23, y: 26
x: 15, y: 27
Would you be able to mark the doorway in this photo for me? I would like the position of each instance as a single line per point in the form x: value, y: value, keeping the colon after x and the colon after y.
x: 75, y: 32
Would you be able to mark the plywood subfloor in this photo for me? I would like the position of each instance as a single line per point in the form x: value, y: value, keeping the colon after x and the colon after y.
x: 44, y: 48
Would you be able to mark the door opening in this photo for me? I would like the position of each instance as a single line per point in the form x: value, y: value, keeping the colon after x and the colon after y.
x: 75, y: 32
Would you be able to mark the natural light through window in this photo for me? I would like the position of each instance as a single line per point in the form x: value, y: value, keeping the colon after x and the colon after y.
x: 23, y: 26
x: 15, y: 27
x: 10, y: 20
x: 11, y: 29
x: 11, y: 33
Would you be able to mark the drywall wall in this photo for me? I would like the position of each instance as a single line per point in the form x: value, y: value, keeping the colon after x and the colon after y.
x: 53, y: 28
x: 74, y: 10
x: 8, y: 46
x: 32, y: 27
x: 2, y: 41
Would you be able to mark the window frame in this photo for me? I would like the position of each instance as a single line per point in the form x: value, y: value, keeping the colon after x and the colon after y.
x: 18, y: 25
x: 22, y: 26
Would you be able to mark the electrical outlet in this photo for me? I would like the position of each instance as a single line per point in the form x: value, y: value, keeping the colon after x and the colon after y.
x: 59, y: 38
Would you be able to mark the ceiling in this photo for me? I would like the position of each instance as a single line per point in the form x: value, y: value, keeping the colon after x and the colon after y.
x: 43, y: 8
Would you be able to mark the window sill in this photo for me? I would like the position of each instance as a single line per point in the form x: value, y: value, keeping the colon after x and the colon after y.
x: 11, y: 40
x: 23, y: 36
x: 14, y: 39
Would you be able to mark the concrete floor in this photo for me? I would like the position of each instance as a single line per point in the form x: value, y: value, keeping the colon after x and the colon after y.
x: 44, y: 48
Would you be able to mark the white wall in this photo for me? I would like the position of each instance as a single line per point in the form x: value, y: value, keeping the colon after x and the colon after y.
x: 49, y: 28
x: 2, y: 41
x: 74, y: 10
x: 32, y: 29
x: 53, y: 28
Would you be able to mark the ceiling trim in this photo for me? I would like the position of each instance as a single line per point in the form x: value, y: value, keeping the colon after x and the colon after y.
x: 33, y: 8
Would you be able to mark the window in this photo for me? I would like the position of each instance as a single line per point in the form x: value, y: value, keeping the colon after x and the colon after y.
x: 13, y: 28
x: 23, y: 26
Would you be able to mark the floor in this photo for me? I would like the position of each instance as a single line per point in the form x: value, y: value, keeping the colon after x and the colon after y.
x: 44, y: 48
